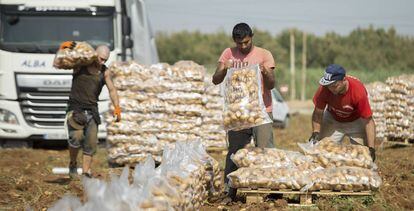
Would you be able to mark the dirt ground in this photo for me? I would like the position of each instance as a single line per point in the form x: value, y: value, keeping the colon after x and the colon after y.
x: 26, y: 180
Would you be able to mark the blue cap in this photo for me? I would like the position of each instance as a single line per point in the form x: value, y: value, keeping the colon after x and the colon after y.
x: 332, y: 73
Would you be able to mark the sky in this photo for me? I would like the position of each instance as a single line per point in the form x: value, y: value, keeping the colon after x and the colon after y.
x: 313, y: 16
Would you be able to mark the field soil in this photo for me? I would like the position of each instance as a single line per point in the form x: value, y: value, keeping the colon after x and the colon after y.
x: 26, y: 179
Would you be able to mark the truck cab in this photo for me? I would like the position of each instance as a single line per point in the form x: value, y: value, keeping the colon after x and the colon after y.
x: 33, y: 94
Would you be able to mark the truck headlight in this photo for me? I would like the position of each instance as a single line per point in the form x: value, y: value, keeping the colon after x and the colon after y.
x: 8, y: 117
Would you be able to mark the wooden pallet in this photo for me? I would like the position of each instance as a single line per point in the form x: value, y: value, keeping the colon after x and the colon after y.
x: 305, y: 198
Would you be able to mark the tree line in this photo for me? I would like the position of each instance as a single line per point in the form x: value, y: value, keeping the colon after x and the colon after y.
x: 363, y: 49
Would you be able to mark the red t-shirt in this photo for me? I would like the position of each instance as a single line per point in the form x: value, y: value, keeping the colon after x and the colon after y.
x: 347, y: 107
x: 256, y: 56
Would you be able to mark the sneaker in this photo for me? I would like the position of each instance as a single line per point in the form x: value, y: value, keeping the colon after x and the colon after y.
x: 73, y: 170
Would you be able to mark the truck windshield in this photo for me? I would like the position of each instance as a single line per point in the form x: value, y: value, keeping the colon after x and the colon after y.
x: 42, y: 32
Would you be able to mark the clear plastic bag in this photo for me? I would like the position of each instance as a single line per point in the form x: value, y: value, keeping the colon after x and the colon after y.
x: 268, y: 177
x: 186, y: 173
x: 81, y: 55
x: 331, y: 154
x: 344, y: 178
x: 68, y: 202
x: 244, y: 106
x: 269, y: 157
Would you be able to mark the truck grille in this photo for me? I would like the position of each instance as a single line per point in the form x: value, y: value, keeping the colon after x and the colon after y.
x: 43, y: 99
x: 44, y: 110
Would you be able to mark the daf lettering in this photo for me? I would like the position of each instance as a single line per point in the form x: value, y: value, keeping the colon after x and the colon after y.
x: 58, y: 83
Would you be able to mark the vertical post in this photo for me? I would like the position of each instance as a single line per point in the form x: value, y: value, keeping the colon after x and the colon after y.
x: 292, y: 66
x: 303, y: 91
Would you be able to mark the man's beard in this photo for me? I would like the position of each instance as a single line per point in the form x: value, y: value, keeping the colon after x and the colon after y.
x: 246, y: 50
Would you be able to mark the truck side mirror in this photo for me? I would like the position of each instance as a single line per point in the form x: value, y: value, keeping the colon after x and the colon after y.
x: 127, y: 42
x: 126, y: 26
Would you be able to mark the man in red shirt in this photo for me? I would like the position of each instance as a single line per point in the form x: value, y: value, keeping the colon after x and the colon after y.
x: 342, y: 108
x: 245, y: 53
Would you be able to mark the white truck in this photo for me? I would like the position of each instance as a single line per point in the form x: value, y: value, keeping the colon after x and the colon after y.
x: 34, y: 95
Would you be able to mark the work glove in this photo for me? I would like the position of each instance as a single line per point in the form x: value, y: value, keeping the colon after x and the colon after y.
x: 372, y: 153
x: 67, y: 44
x: 314, y: 138
x: 117, y: 113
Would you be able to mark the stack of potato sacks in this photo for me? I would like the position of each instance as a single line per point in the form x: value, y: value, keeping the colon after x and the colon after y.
x: 400, y: 107
x: 212, y: 131
x: 181, y: 182
x: 160, y: 104
x: 377, y: 92
x: 325, y: 166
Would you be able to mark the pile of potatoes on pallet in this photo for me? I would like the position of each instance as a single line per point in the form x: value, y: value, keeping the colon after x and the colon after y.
x: 160, y: 104
x: 212, y: 130
x: 377, y: 91
x: 393, y: 107
x: 400, y: 107
x: 324, y: 166
x: 82, y: 54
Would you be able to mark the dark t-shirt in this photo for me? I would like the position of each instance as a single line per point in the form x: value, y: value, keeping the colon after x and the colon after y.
x: 86, y: 87
x: 85, y: 91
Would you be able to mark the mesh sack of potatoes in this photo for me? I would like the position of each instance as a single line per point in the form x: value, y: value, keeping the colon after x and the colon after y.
x: 213, y: 177
x: 156, y: 193
x: 331, y: 154
x: 344, y: 178
x: 187, y: 71
x: 81, y: 55
x: 212, y: 130
x: 160, y: 100
x: 132, y: 158
x: 243, y: 102
x: 268, y: 177
x: 177, y: 97
x: 161, y: 194
x: 399, y: 112
x: 139, y: 117
x: 186, y: 168
x: 186, y: 173
x: 268, y: 157
x: 130, y: 152
x: 377, y: 92
x: 133, y: 139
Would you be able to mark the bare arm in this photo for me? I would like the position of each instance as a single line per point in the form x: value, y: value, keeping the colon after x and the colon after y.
x: 220, y: 73
x: 268, y: 77
x: 111, y: 88
x: 370, y: 131
x: 317, y: 119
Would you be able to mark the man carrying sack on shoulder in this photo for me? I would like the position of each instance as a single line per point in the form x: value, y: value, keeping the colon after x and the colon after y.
x: 83, y: 115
